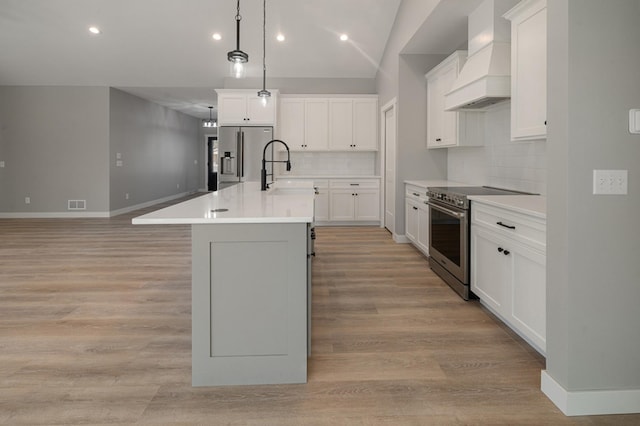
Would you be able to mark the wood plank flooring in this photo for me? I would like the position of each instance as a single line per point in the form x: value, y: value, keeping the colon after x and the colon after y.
x: 95, y: 328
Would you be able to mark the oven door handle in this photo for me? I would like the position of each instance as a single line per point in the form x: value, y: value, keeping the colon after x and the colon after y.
x: 459, y: 215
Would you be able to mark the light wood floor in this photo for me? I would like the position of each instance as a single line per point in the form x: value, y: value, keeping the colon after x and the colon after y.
x: 95, y: 328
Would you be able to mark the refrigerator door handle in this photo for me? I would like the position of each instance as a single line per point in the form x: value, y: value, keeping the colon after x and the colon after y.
x: 242, y: 153
x: 238, y: 154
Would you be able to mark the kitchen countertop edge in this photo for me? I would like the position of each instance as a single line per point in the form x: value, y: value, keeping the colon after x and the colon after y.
x: 245, y: 203
x: 533, y: 205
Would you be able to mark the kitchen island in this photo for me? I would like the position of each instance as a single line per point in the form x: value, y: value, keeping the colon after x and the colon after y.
x: 250, y: 282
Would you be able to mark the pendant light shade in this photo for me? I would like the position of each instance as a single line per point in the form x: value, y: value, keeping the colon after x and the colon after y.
x: 264, y: 94
x: 237, y: 57
x: 210, y: 122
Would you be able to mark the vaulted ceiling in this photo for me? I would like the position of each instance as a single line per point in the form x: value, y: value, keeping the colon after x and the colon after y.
x: 163, y: 50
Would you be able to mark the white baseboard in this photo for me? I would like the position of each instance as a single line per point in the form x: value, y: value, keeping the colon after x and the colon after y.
x: 590, y: 403
x: 53, y: 215
x: 148, y: 204
x: 401, y: 239
x: 86, y: 214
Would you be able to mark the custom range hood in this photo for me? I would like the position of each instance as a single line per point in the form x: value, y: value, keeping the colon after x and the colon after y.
x: 485, y: 78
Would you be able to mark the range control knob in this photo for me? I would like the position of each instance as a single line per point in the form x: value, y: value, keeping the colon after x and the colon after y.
x: 460, y: 203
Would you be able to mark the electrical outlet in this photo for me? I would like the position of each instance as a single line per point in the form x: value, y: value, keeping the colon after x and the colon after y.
x: 126, y: 196
x: 1, y: 164
x: 27, y: 200
x: 610, y: 182
x: 178, y: 186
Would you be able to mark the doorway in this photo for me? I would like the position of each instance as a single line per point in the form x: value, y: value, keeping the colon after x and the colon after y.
x: 389, y: 116
x: 212, y: 163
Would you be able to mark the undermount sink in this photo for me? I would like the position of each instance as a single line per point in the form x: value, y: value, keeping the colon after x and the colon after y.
x: 284, y: 187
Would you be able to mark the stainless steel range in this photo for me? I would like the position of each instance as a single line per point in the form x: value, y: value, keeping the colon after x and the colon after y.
x: 449, y: 231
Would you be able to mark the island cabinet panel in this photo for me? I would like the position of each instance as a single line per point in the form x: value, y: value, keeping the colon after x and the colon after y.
x: 249, y: 291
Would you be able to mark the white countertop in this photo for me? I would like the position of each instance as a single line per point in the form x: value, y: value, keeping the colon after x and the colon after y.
x: 281, y: 177
x: 245, y: 203
x: 533, y: 205
x: 426, y: 183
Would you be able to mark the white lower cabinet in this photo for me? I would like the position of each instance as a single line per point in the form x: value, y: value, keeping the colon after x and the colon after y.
x: 354, y: 200
x: 345, y: 200
x: 321, y: 202
x: 417, y: 217
x: 508, y: 269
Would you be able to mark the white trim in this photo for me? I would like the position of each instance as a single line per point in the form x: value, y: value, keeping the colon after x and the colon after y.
x: 53, y: 215
x: 85, y: 214
x: 148, y: 204
x: 401, y: 239
x: 590, y: 403
x: 392, y: 104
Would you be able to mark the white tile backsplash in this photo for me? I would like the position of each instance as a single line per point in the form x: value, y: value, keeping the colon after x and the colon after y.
x: 500, y: 162
x: 331, y: 164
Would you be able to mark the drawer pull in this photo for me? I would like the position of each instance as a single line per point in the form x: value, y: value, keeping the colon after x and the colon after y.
x: 416, y: 194
x: 505, y: 226
x: 414, y: 207
x: 354, y: 184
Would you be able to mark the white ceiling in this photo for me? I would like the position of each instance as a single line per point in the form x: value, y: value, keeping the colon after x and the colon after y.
x: 163, y: 50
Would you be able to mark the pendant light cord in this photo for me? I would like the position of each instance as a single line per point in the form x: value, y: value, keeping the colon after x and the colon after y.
x: 264, y: 44
x: 238, y: 19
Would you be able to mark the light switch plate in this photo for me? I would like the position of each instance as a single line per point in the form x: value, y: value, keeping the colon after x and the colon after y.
x: 610, y: 182
x: 634, y: 121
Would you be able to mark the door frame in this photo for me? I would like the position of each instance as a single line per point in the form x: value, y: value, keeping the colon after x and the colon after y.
x: 206, y: 158
x: 392, y: 104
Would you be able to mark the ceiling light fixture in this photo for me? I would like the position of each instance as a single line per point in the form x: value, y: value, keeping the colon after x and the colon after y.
x: 210, y: 122
x: 94, y: 30
x: 217, y: 36
x: 280, y: 37
x: 344, y: 37
x: 264, y: 94
x: 237, y: 57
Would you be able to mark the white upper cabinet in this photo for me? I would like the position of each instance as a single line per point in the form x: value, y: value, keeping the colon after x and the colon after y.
x: 291, y: 123
x: 528, y: 69
x: 450, y: 128
x: 365, y: 124
x: 316, y: 124
x: 244, y: 107
x: 336, y: 123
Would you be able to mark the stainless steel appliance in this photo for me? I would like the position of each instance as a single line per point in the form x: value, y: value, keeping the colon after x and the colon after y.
x: 240, y: 153
x: 449, y: 232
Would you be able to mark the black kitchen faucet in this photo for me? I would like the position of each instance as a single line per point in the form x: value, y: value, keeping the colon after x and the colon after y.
x: 263, y: 172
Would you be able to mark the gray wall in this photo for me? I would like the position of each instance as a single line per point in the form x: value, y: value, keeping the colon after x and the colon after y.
x: 54, y: 142
x: 402, y: 77
x: 593, y: 289
x: 158, y: 148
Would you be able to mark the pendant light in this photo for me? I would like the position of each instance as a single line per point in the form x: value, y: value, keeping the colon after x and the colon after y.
x: 264, y: 94
x: 237, y: 57
x: 210, y: 122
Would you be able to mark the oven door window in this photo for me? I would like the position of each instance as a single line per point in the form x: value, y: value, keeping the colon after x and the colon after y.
x: 445, y: 235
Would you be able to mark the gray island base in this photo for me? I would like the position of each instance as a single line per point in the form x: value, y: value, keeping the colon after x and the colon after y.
x: 249, y: 299
x: 250, y: 282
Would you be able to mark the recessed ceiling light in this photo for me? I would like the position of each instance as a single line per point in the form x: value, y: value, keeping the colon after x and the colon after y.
x: 94, y: 30
x: 217, y: 36
x: 280, y: 37
x: 344, y: 37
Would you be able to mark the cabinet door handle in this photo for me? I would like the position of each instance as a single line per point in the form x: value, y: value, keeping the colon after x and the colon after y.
x: 416, y: 194
x: 506, y: 252
x: 500, y: 249
x: 438, y: 139
x: 414, y: 207
x: 506, y: 226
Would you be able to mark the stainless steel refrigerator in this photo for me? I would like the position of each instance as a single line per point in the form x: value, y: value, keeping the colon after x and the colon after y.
x: 240, y: 153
